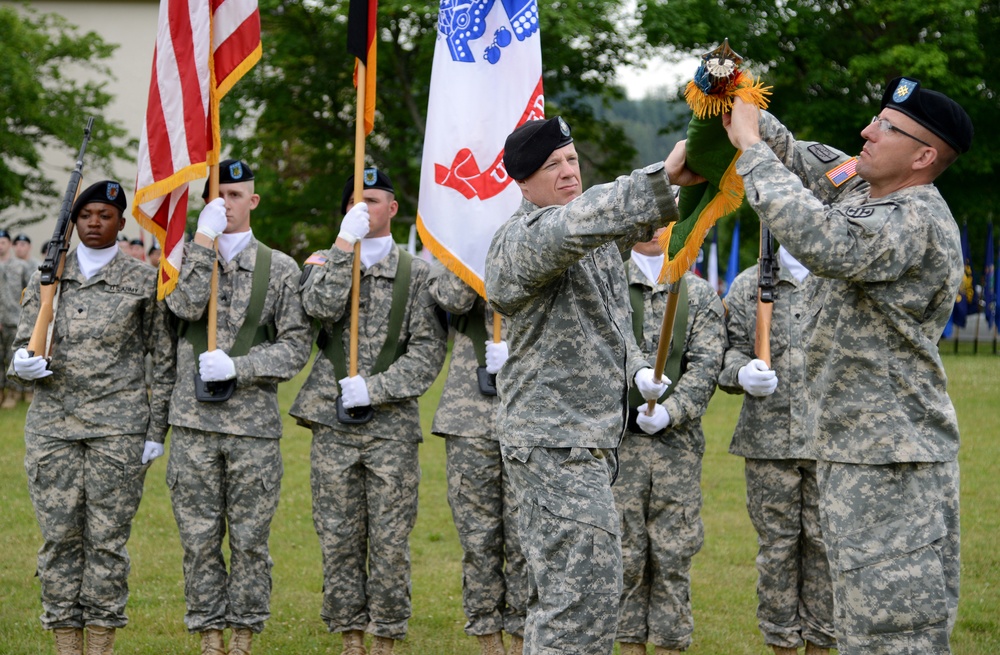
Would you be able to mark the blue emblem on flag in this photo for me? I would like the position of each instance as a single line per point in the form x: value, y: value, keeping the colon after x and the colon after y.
x: 903, y: 90
x: 462, y: 21
x: 236, y: 170
x: 112, y: 191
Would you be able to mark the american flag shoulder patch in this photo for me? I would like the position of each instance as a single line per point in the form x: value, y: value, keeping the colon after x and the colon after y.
x: 843, y: 172
x: 316, y: 259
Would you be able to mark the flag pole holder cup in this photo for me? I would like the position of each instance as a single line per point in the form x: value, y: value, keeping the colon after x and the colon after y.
x: 487, y: 381
x: 354, y: 415
x: 213, y: 391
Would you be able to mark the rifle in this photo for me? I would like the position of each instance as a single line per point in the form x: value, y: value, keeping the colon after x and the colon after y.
x: 55, y: 256
x: 767, y: 285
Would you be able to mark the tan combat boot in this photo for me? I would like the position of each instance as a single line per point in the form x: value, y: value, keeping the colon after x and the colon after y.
x: 491, y: 644
x: 516, y: 645
x: 781, y: 650
x: 813, y: 649
x: 381, y: 646
x: 632, y: 648
x: 660, y: 650
x: 354, y: 643
x: 100, y: 640
x: 69, y: 641
x: 212, y: 643
x: 239, y: 643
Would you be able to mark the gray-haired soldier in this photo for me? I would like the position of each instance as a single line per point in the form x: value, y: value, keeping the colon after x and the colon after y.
x: 225, y: 468
x: 555, y: 271
x: 494, y: 573
x: 794, y: 592
x: 885, y: 431
x: 365, y: 475
x: 92, y: 429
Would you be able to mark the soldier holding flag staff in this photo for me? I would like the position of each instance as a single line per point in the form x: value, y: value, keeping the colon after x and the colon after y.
x: 92, y: 430
x: 555, y: 271
x: 224, y: 471
x: 365, y: 473
x: 884, y: 430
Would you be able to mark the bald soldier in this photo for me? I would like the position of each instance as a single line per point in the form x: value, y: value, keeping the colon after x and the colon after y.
x: 92, y: 430
x: 881, y: 237
x: 225, y: 467
x: 554, y: 269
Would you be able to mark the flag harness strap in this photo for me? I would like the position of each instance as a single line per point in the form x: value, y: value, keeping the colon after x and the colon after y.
x: 672, y: 369
x: 473, y: 326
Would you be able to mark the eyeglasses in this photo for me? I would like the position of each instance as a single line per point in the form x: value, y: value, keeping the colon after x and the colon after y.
x: 885, y: 126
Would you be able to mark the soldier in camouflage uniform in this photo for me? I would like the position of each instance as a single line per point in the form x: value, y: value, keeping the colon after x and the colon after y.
x: 92, y: 430
x: 14, y: 276
x: 555, y: 271
x: 794, y: 592
x: 224, y: 471
x: 494, y: 573
x: 884, y: 429
x: 365, y: 475
x: 658, y: 492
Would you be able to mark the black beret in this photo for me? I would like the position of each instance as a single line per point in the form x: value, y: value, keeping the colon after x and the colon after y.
x: 4, y: 234
x: 136, y: 242
x: 107, y: 191
x: 935, y: 111
x: 373, y: 178
x: 527, y: 147
x: 22, y: 237
x: 230, y: 172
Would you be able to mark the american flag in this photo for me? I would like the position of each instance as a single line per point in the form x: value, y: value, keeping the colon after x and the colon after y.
x: 843, y: 172
x: 203, y: 47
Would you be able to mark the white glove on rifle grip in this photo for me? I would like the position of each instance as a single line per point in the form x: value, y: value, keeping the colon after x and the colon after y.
x: 355, y: 224
x: 212, y: 219
x: 215, y: 366
x: 496, y: 356
x: 648, y: 387
x: 354, y: 391
x: 30, y: 368
x: 757, y: 379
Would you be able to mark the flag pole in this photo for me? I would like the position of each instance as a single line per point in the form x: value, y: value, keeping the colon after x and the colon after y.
x: 359, y: 170
x: 213, y: 296
x: 666, y: 333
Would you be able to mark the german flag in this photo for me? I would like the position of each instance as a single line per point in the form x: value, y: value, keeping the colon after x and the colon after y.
x: 361, y: 43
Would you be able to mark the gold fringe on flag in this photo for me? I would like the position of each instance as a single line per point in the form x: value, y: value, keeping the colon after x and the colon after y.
x: 743, y: 86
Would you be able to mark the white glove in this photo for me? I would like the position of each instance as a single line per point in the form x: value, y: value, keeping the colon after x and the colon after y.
x: 496, y: 356
x: 30, y: 368
x: 212, y: 219
x: 151, y: 451
x: 757, y: 379
x: 355, y: 224
x: 354, y: 391
x: 648, y: 387
x: 652, y: 424
x: 215, y: 366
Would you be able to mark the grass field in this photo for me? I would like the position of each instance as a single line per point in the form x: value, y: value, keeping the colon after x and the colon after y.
x: 723, y: 575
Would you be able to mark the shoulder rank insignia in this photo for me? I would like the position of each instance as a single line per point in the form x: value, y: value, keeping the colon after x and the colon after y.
x: 822, y: 153
x: 843, y: 172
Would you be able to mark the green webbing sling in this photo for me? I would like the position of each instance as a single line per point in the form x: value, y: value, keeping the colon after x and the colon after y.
x: 472, y: 325
x: 392, y: 350
x: 672, y: 369
x: 250, y: 333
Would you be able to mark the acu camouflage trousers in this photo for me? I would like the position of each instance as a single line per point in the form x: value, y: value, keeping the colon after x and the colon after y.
x: 892, y: 535
x: 85, y: 494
